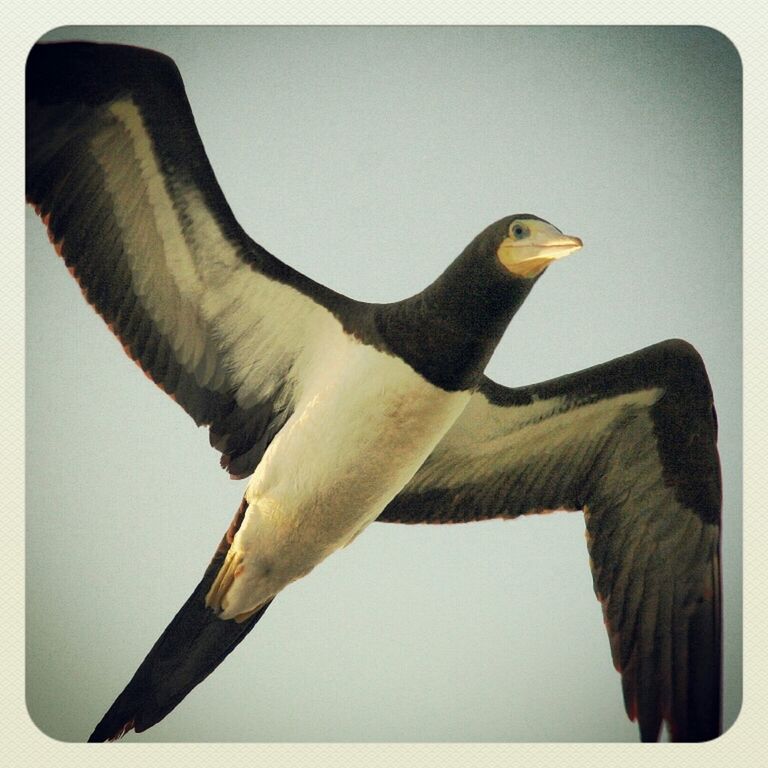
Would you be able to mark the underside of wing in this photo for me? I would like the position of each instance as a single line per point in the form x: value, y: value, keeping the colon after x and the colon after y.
x: 117, y: 171
x: 633, y: 444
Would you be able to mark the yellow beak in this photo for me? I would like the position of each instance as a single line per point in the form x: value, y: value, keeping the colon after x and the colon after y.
x: 530, y: 256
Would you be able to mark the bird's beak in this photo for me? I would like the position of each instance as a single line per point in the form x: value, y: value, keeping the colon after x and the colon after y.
x: 530, y: 256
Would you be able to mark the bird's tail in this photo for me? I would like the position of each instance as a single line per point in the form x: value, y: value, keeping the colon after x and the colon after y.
x: 192, y: 646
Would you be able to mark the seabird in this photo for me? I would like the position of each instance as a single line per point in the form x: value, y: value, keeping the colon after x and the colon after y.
x: 341, y: 412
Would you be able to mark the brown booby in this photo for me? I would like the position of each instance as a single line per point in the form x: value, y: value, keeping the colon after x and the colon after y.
x: 341, y: 412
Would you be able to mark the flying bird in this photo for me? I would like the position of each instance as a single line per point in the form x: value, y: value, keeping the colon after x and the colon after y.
x: 341, y: 413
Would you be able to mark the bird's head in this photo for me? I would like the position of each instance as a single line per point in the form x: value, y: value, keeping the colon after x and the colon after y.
x: 526, y: 245
x: 449, y: 330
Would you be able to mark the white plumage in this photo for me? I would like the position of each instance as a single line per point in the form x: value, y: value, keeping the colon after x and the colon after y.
x: 365, y: 422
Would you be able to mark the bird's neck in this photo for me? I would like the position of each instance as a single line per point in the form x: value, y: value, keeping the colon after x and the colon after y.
x: 449, y: 331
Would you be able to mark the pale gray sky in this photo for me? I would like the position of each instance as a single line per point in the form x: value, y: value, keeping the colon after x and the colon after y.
x: 367, y: 158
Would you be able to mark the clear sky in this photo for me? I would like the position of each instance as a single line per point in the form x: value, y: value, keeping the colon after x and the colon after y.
x: 367, y: 158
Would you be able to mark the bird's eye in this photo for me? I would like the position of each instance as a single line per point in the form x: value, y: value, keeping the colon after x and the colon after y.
x: 518, y: 231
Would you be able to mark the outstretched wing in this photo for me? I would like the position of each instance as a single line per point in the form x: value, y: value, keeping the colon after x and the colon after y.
x: 193, y: 644
x: 633, y: 444
x: 117, y: 171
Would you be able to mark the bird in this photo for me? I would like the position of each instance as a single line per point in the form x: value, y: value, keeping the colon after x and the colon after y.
x: 341, y: 413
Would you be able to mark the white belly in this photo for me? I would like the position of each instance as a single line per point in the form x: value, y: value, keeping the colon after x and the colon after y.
x: 360, y: 431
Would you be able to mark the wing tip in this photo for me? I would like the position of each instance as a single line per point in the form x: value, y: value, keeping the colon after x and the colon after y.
x: 49, y: 81
x: 107, y: 731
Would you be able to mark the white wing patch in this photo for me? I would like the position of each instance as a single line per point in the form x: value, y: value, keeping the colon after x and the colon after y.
x: 501, y: 436
x: 224, y: 320
x: 156, y: 251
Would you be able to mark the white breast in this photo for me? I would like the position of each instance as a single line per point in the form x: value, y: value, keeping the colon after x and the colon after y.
x: 364, y: 425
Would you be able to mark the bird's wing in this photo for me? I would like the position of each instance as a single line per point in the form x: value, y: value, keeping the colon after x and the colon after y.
x: 117, y: 171
x: 633, y: 444
x: 193, y: 644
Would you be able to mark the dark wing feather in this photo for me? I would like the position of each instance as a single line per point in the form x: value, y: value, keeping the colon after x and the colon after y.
x: 193, y: 644
x: 632, y: 443
x: 117, y: 171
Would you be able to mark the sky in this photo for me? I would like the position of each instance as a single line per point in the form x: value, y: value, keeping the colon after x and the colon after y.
x: 368, y: 158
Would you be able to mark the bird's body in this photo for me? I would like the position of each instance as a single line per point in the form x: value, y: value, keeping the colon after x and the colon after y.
x: 342, y: 412
x: 312, y: 493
